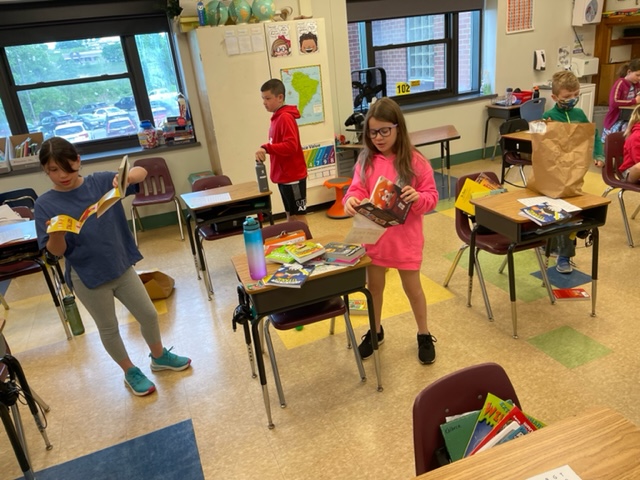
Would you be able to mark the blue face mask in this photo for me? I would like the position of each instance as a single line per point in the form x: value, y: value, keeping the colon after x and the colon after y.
x: 567, y: 105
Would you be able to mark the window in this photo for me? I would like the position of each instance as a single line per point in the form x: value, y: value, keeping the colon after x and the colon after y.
x: 102, y: 74
x: 424, y: 57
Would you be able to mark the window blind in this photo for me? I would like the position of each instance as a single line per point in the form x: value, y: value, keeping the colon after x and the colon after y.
x: 362, y: 10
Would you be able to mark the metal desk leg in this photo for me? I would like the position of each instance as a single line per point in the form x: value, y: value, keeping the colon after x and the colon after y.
x: 486, y: 131
x: 472, y: 248
x: 447, y: 149
x: 594, y: 269
x: 512, y: 289
x: 54, y: 296
x: 255, y: 324
x: 187, y: 221
x: 204, y: 267
x: 374, y: 338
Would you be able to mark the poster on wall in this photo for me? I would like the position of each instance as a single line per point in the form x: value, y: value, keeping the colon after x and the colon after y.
x: 519, y: 16
x: 304, y: 89
x: 307, y: 35
x: 321, y: 162
x: 279, y: 37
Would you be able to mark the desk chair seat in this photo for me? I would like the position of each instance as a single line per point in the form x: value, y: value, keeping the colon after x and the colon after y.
x: 306, y: 315
x: 613, y: 152
x: 156, y: 189
x: 459, y: 392
x: 489, y: 242
x: 512, y: 158
x: 341, y: 184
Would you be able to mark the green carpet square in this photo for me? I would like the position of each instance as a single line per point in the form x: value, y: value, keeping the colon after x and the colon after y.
x: 569, y: 347
x: 528, y: 288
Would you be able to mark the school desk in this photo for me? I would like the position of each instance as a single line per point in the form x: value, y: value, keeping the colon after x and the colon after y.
x: 598, y: 443
x: 500, y: 213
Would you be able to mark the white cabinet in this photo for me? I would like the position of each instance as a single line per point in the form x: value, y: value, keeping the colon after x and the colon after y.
x: 587, y: 99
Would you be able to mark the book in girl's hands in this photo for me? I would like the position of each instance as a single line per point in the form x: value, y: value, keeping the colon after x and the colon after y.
x: 278, y: 254
x: 385, y: 206
x: 291, y: 275
x: 343, y: 251
x: 304, y: 251
x: 571, y: 294
x: 68, y: 224
x: 545, y: 214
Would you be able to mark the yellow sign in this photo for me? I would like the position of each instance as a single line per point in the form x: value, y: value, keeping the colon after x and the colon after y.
x: 403, y: 88
x: 415, y: 83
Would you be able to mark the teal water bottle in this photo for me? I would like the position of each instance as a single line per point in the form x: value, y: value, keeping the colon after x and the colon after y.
x: 73, y: 315
x: 254, y: 248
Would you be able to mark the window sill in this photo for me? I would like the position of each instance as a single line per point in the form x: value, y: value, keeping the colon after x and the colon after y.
x: 444, y: 102
x: 113, y: 155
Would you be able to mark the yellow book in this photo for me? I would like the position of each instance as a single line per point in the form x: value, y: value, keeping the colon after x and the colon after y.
x: 463, y: 202
x: 65, y: 223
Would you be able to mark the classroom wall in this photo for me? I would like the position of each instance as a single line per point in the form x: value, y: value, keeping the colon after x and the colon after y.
x: 508, y: 58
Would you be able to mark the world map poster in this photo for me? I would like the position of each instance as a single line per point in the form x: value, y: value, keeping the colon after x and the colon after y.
x: 304, y: 89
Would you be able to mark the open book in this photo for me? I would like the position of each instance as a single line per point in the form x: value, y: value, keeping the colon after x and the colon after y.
x: 385, y: 208
x: 66, y: 223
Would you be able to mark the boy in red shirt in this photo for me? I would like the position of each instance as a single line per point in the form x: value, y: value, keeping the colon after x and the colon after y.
x: 288, y: 167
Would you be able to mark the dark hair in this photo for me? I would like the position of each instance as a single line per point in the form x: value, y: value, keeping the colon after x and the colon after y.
x: 387, y: 110
x: 308, y: 36
x: 633, y: 65
x: 274, y: 86
x: 60, y: 151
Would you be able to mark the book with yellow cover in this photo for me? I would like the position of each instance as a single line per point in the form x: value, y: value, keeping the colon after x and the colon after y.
x: 65, y: 223
x: 463, y: 202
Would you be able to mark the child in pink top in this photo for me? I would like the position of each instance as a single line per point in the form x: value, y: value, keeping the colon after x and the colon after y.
x: 388, y: 152
x: 630, y: 167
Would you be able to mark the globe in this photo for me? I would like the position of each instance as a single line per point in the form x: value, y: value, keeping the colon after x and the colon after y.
x: 263, y: 10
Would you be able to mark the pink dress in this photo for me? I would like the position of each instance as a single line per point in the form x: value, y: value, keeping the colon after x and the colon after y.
x: 401, y: 245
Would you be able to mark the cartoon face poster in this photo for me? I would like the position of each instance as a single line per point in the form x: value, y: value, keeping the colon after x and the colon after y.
x: 279, y: 39
x: 308, y: 37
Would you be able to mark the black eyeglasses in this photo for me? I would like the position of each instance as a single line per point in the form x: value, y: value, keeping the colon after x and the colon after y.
x: 384, y: 131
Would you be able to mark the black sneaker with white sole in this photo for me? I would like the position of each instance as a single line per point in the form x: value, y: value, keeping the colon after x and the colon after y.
x: 366, y: 347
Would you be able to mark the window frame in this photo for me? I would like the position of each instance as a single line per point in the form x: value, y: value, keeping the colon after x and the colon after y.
x: 71, y: 21
x: 451, y: 42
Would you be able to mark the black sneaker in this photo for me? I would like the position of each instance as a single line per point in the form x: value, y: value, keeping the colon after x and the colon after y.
x: 426, y: 350
x: 366, y: 347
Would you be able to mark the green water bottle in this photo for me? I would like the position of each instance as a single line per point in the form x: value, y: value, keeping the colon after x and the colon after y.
x: 72, y: 314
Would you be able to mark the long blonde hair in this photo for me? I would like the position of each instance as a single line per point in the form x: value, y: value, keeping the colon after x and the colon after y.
x: 386, y: 110
x: 635, y: 118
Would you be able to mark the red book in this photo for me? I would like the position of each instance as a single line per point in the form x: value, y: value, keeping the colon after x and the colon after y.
x: 514, y: 415
x: 571, y: 294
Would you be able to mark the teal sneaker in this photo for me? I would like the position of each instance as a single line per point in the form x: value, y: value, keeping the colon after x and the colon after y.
x: 139, y: 384
x: 169, y: 361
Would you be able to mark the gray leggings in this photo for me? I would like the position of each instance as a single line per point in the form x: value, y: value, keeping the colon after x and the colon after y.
x: 100, y: 303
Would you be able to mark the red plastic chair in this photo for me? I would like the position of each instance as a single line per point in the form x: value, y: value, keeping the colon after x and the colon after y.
x: 157, y: 188
x: 317, y: 312
x: 489, y: 242
x: 613, y: 153
x: 459, y: 392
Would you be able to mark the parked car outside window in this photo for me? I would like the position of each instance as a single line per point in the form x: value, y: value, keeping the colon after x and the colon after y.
x: 74, y: 132
x: 126, y: 103
x: 120, y: 126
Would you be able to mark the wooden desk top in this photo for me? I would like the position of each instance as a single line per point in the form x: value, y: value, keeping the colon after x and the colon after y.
x: 241, y: 267
x: 508, y: 206
x: 525, y: 136
x: 420, y: 138
x: 597, y: 444
x: 237, y: 192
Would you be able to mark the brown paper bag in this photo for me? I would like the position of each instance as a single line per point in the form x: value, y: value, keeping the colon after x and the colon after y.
x: 157, y: 284
x: 561, y: 158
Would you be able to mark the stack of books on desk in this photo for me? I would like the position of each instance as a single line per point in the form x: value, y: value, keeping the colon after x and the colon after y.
x: 497, y: 422
x: 339, y: 253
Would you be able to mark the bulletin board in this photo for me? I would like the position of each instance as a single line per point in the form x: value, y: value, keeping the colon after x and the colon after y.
x: 519, y: 16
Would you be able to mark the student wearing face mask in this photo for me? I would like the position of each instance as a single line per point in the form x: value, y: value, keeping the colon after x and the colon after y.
x: 565, y: 91
x: 625, y: 92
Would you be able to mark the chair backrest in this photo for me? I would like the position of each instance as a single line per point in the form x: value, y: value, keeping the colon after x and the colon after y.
x: 158, y: 182
x: 458, y: 392
x: 22, y: 197
x: 514, y: 125
x: 533, y: 109
x: 462, y: 220
x: 206, y: 183
x: 291, y: 226
x: 613, y: 157
x: 24, y: 212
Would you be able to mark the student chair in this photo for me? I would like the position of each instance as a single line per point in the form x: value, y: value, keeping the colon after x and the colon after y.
x: 513, y: 158
x: 489, y: 242
x: 207, y: 232
x: 22, y: 197
x: 613, y: 153
x: 533, y: 109
x: 459, y: 392
x: 155, y: 189
x: 316, y: 312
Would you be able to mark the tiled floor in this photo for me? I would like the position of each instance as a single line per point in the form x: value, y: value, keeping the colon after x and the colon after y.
x: 334, y: 425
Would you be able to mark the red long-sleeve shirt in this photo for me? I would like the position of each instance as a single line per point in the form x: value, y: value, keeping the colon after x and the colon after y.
x: 284, y: 148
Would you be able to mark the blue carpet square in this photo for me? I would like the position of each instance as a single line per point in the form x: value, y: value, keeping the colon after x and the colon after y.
x: 170, y: 453
x: 4, y: 285
x: 564, y: 280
